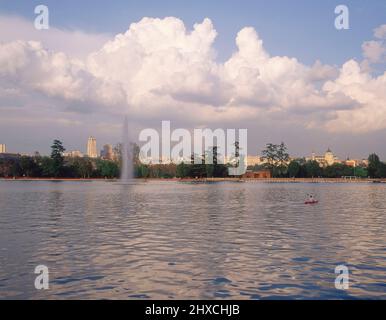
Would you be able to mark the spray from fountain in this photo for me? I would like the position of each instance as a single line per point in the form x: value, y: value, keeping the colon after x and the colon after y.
x: 127, y: 159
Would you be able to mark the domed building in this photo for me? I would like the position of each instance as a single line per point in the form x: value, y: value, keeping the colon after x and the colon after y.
x: 327, y: 160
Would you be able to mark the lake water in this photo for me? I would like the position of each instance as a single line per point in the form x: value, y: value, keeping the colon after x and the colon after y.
x: 171, y: 240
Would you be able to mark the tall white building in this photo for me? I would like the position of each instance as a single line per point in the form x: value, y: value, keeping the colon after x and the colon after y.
x: 73, y: 154
x: 92, y: 148
x: 3, y: 148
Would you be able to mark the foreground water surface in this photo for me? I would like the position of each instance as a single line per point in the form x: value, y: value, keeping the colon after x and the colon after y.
x: 171, y: 240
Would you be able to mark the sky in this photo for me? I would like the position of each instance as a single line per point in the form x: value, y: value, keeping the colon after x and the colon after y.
x: 278, y: 68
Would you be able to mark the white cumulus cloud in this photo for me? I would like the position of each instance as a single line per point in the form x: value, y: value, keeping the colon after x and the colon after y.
x: 158, y: 69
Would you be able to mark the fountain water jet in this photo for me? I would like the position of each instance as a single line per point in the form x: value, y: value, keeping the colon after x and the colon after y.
x: 127, y: 159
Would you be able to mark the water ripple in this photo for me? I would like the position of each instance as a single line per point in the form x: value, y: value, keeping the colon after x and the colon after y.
x: 168, y: 240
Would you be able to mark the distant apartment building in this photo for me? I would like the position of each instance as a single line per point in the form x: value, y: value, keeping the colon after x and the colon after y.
x: 260, y: 174
x: 73, y: 154
x: 180, y: 159
x: 92, y: 148
x: 356, y: 163
x: 254, y: 161
x: 165, y: 160
x: 3, y: 148
x: 350, y: 163
x: 117, y: 151
x: 107, y: 152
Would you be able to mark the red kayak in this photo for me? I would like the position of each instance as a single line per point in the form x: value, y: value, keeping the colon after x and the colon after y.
x: 311, y: 202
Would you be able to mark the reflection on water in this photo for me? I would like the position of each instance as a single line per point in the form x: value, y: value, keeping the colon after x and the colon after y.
x: 163, y: 240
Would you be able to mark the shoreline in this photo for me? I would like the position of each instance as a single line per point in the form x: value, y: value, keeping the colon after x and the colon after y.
x: 203, y: 180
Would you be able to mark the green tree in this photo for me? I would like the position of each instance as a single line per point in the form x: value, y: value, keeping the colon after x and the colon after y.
x: 81, y: 168
x: 46, y: 165
x: 374, y: 166
x: 220, y: 171
x: 57, y: 150
x: 282, y: 159
x: 361, y: 172
x: 136, y: 151
x: 294, y: 169
x: 381, y: 172
x: 107, y: 169
x: 338, y: 170
x: 210, y: 170
x: 313, y: 169
x: 197, y: 167
x: 269, y: 154
x: 348, y: 171
x: 276, y: 157
x: 142, y: 171
x: 216, y: 169
x: 182, y: 170
x: 29, y: 167
x: 16, y: 170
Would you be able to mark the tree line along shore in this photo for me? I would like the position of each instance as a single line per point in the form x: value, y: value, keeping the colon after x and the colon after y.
x: 209, y: 180
x: 276, y: 157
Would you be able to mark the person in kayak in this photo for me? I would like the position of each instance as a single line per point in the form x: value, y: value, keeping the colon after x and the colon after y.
x: 311, y: 199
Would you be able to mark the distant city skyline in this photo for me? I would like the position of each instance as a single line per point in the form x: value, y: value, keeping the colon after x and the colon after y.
x: 108, y: 152
x: 279, y: 69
